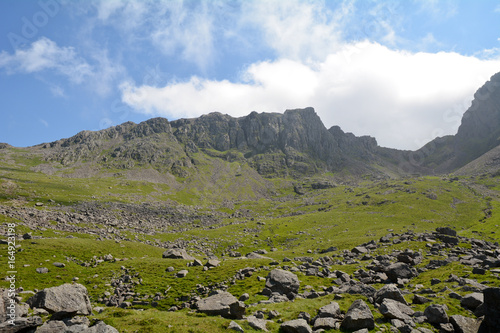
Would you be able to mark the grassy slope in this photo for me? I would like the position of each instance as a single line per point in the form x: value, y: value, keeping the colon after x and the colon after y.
x: 344, y: 216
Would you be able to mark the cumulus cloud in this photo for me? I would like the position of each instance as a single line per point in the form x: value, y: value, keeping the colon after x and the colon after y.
x: 44, y: 54
x: 297, y: 29
x: 403, y: 99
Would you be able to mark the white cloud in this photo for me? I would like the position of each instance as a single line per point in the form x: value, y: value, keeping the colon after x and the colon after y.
x: 497, y: 9
x: 44, y: 54
x: 297, y: 29
x: 403, y: 99
x: 190, y: 32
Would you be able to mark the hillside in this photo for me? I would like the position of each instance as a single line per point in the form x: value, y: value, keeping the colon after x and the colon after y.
x: 264, y: 222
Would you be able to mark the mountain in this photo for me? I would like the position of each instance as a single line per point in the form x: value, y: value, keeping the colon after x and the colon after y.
x: 478, y: 133
x: 294, y: 144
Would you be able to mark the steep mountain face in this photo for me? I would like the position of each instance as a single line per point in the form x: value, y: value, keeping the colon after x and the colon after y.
x: 295, y: 143
x: 292, y: 144
x: 478, y: 133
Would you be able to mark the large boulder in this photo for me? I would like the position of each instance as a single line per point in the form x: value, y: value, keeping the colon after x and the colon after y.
x: 389, y: 291
x: 282, y: 281
x: 331, y: 310
x: 446, y: 231
x: 463, y: 324
x: 392, y: 309
x: 358, y: 316
x: 472, y: 301
x: 436, y: 314
x: 67, y: 298
x: 491, y: 321
x: 296, y: 326
x: 399, y: 270
x: 177, y: 254
x: 222, y: 304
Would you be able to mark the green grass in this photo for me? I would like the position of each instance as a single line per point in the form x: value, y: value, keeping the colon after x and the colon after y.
x: 256, y: 214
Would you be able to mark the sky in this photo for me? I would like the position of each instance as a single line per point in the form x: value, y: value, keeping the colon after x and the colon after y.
x: 403, y: 72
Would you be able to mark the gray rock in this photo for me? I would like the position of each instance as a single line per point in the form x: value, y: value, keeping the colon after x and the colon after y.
x: 177, y: 254
x: 197, y: 262
x: 491, y: 320
x: 326, y: 323
x: 235, y: 327
x: 357, y: 317
x: 20, y: 324
x: 52, y: 326
x: 331, y: 310
x: 392, y: 309
x: 360, y: 250
x: 282, y: 281
x: 244, y: 297
x: 399, y: 270
x: 295, y: 326
x: 253, y: 255
x: 182, y: 273
x: 101, y: 327
x: 212, y: 263
x: 417, y: 299
x: 436, y: 314
x: 257, y: 324
x: 390, y: 291
x: 463, y: 324
x: 446, y: 231
x: 42, y: 270
x: 222, y: 304
x: 472, y: 301
x: 59, y: 264
x: 67, y: 298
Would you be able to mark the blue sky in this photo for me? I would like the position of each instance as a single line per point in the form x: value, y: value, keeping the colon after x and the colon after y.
x: 401, y: 71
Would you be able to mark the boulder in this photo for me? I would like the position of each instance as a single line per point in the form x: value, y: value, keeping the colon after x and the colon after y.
x: 21, y: 324
x: 257, y: 324
x: 327, y: 323
x: 410, y: 257
x: 472, y: 301
x: 331, y: 310
x: 392, y: 309
x: 446, y: 231
x: 491, y: 320
x: 399, y: 270
x: 358, y: 317
x: 390, y: 291
x: 296, y: 326
x: 212, y: 263
x: 177, y: 254
x: 463, y: 324
x: 436, y: 314
x: 282, y: 281
x: 360, y: 250
x: 182, y: 273
x: 42, y: 270
x: 67, y: 298
x: 222, y: 304
x: 417, y: 299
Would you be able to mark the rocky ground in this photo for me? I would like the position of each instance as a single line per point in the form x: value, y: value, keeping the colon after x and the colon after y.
x: 67, y: 308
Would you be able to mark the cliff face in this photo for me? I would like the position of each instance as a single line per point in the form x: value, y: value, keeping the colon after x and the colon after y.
x: 480, y: 128
x: 294, y: 143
